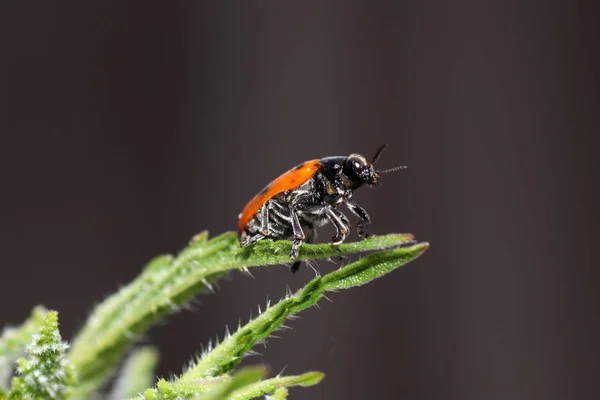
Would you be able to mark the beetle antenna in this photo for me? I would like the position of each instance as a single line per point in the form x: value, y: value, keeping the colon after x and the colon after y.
x: 378, y: 153
x: 398, y: 168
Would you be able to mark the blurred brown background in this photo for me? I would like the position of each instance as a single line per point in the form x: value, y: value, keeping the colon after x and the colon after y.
x: 127, y: 127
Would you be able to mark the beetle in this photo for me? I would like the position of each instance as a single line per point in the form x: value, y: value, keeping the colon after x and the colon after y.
x: 307, y: 197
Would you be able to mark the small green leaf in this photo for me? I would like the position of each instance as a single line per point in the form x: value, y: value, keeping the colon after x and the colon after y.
x: 279, y: 394
x: 168, y: 283
x: 45, y: 373
x: 199, y: 239
x: 137, y: 373
x: 242, y: 379
x: 13, y: 342
x: 271, y: 385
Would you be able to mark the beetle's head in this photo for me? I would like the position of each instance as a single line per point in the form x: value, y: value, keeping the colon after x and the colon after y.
x: 357, y: 170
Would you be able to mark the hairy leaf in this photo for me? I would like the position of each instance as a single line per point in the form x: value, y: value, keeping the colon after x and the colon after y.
x: 279, y: 394
x: 45, y: 374
x: 244, y: 378
x: 271, y: 385
x: 169, y: 282
x: 137, y: 373
x: 13, y: 342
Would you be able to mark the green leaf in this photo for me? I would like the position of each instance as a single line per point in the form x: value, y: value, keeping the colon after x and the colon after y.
x: 45, y: 373
x: 242, y: 379
x: 166, y: 390
x: 271, y: 385
x: 279, y: 394
x: 246, y: 384
x: 13, y: 342
x: 225, y: 356
x: 137, y: 373
x: 167, y: 283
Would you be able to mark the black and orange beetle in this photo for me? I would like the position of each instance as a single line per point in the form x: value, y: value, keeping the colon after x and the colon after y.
x: 307, y: 197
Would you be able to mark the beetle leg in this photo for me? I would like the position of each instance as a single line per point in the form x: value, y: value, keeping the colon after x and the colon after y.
x: 344, y: 220
x: 311, y: 237
x: 298, y: 233
x: 295, y: 266
x: 252, y: 239
x: 365, y: 220
x: 337, y: 219
x: 264, y: 225
x: 340, y: 222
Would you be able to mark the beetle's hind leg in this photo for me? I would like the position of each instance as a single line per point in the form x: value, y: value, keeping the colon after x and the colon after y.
x: 298, y: 234
x: 295, y: 266
x: 312, y: 234
x: 264, y: 224
x: 262, y: 231
x: 252, y: 239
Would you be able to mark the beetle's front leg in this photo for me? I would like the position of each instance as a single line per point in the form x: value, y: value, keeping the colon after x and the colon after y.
x: 340, y: 222
x: 337, y: 219
x: 365, y: 220
x: 310, y: 238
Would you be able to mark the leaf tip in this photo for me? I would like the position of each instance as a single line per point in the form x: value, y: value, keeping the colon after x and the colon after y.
x: 200, y: 237
x: 407, y: 236
x: 311, y: 378
x: 422, y: 246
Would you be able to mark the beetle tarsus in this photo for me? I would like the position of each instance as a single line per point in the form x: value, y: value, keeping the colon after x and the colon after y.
x: 295, y: 266
x: 295, y: 248
x: 252, y: 240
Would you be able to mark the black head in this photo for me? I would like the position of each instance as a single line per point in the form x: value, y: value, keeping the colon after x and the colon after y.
x: 357, y: 171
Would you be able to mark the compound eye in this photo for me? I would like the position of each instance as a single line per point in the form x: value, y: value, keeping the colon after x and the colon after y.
x: 356, y: 164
